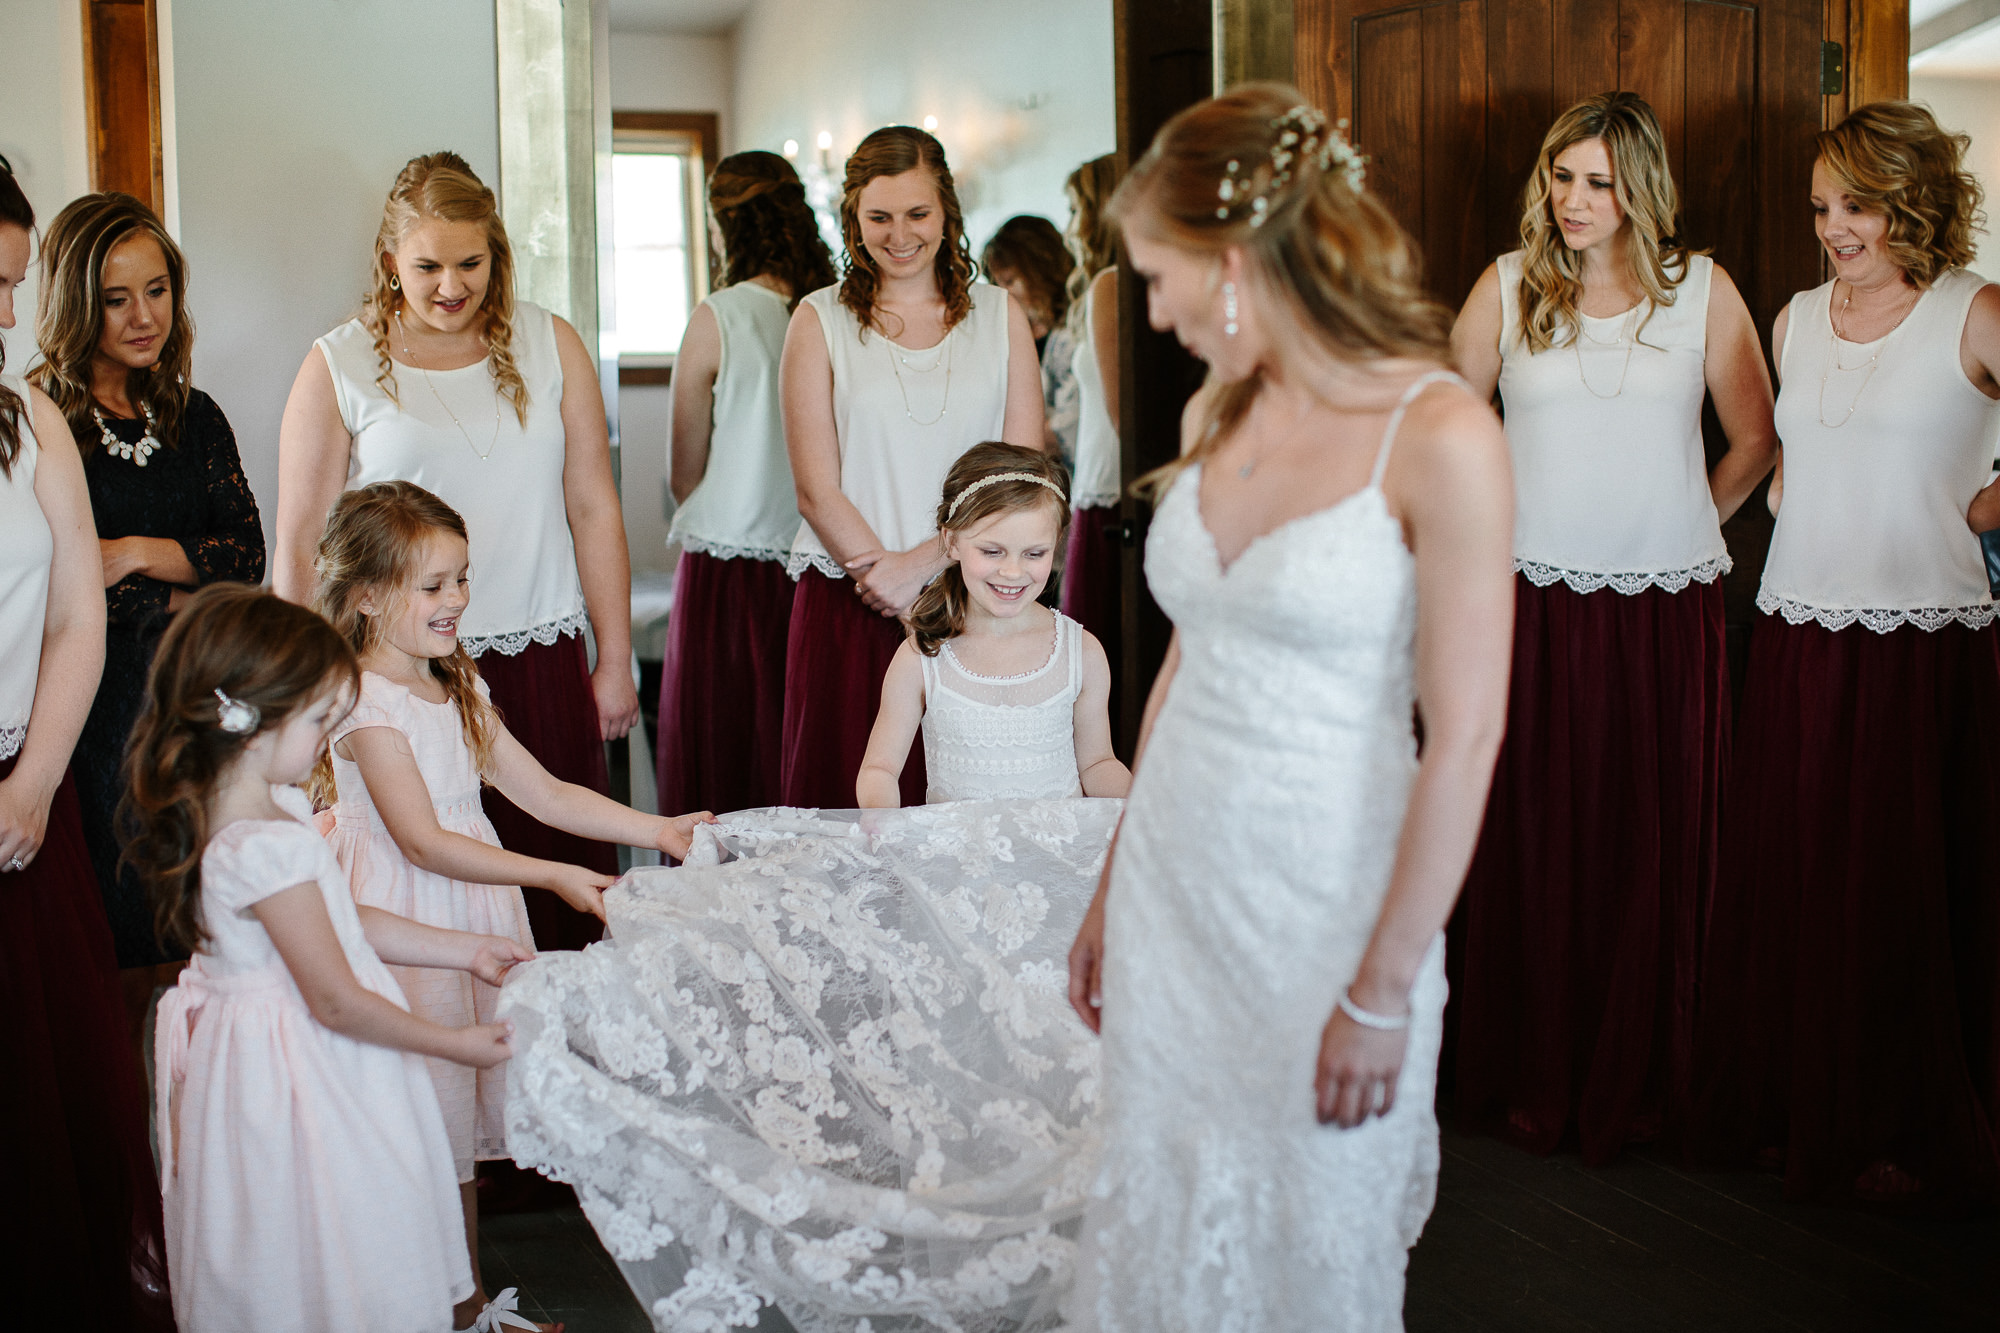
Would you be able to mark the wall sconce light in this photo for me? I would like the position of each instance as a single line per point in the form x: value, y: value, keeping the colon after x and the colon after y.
x: 825, y: 150
x: 930, y: 124
x: 791, y: 149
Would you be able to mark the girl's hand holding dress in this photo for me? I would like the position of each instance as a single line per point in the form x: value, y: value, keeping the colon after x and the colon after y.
x: 493, y: 956
x: 677, y: 833
x: 484, y: 1045
x: 581, y: 888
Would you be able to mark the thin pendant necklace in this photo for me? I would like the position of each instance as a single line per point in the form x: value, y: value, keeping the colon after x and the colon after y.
x: 1624, y: 339
x: 1837, y: 334
x: 897, y: 360
x: 491, y: 444
x: 1243, y: 472
x: 117, y: 448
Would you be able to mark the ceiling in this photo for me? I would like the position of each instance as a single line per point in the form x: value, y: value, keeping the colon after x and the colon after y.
x: 689, y: 16
x: 1955, y: 37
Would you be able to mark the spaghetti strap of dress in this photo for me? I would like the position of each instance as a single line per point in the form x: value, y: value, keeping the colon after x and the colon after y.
x: 1417, y: 386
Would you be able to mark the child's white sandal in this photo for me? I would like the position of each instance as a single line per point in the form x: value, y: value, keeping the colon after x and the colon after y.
x: 502, y: 1312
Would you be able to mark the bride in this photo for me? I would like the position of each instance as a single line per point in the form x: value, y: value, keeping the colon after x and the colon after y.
x: 1334, y: 549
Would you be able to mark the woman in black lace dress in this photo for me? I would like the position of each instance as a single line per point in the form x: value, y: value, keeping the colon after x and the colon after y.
x: 173, y: 509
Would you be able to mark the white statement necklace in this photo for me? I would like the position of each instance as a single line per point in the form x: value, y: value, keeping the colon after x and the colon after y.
x: 1624, y: 339
x: 1835, y: 335
x: 466, y: 435
x: 118, y: 448
x: 899, y: 359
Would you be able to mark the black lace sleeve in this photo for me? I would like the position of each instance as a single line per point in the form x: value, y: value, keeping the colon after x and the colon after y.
x: 231, y: 544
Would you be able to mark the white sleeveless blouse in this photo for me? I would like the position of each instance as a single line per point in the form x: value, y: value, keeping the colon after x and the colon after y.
x: 994, y: 738
x: 1098, y: 462
x: 504, y: 478
x: 904, y: 416
x: 27, y: 551
x: 1610, y: 482
x: 1872, y: 523
x: 745, y: 505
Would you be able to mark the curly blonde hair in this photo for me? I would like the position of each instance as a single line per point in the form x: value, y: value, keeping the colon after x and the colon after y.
x: 1091, y: 236
x: 1352, y: 278
x: 891, y: 151
x: 1895, y: 159
x: 1643, y: 184
x: 442, y: 186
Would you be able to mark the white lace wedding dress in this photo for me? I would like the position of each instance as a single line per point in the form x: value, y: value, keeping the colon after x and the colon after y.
x: 1256, y: 850
x: 830, y: 1062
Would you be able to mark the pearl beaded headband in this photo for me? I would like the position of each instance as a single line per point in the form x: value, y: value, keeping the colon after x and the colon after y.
x: 995, y: 480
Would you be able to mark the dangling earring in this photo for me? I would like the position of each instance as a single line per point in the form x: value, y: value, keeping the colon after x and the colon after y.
x: 1229, y: 310
x: 395, y: 283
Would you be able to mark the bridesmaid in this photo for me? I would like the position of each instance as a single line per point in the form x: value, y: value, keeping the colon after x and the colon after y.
x: 722, y: 693
x: 1849, y: 994
x: 81, y: 1242
x: 888, y: 378
x: 173, y: 509
x: 1578, y: 926
x: 447, y: 380
x: 1092, y: 566
x: 1029, y: 258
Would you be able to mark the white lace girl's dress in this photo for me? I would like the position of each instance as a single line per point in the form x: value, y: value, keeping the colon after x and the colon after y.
x: 473, y: 1100
x: 1251, y: 869
x: 307, y: 1175
x: 992, y: 738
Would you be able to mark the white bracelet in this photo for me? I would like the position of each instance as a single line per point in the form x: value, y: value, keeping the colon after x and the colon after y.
x: 1368, y: 1018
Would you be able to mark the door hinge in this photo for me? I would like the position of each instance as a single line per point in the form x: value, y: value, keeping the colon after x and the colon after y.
x: 1832, y: 69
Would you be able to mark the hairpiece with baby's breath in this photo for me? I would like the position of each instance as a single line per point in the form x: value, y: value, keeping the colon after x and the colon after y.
x: 1302, y: 132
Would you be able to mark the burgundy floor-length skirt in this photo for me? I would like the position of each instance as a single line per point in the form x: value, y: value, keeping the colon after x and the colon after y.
x: 1093, y: 580
x: 81, y: 1239
x: 722, y: 686
x: 543, y: 695
x: 1577, y: 934
x: 835, y: 657
x: 1851, y: 983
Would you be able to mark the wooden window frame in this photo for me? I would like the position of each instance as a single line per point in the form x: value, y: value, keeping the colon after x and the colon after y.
x: 705, y: 129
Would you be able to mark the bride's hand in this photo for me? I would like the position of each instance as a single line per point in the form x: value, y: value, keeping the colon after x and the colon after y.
x: 1358, y: 1069
x: 1086, y: 965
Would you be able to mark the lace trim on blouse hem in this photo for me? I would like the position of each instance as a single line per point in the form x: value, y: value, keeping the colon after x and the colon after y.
x: 1094, y: 499
x: 1628, y: 585
x: 800, y: 561
x: 513, y: 643
x: 1927, y: 618
x: 725, y: 551
x: 11, y: 739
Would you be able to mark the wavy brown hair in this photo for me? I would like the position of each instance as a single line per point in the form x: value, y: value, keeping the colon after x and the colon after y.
x: 1896, y: 160
x: 1032, y: 248
x: 1642, y: 182
x: 767, y: 227
x: 69, y: 316
x: 371, y: 545
x: 442, y: 187
x: 255, y: 647
x: 1092, y: 236
x: 1330, y: 254
x: 938, y: 614
x: 891, y: 151
x: 15, y: 211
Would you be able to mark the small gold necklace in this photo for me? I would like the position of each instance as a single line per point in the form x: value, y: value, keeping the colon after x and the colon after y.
x: 491, y: 444
x: 1836, y: 334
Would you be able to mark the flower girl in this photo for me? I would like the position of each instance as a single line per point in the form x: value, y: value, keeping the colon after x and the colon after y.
x: 1011, y: 695
x: 405, y: 771
x: 307, y: 1175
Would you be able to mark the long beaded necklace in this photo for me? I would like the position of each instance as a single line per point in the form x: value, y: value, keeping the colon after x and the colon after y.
x: 1835, y: 335
x: 1624, y: 339
x: 491, y: 444
x: 897, y: 355
x: 117, y: 448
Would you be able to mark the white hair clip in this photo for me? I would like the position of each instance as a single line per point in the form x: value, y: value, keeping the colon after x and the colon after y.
x: 236, y: 717
x: 1302, y: 132
x: 995, y: 480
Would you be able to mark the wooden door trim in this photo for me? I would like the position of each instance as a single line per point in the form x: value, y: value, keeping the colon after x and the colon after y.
x: 98, y: 85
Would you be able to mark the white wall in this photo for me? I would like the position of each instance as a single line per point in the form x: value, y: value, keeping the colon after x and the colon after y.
x: 41, y: 129
x: 291, y: 122
x: 1024, y: 92
x: 1971, y: 105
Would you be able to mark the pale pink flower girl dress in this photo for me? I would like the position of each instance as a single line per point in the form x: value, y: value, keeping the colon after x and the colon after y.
x: 473, y: 1100
x: 307, y: 1175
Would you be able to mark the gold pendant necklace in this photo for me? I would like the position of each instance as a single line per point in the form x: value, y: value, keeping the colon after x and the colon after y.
x: 897, y: 361
x: 1624, y: 339
x: 491, y: 444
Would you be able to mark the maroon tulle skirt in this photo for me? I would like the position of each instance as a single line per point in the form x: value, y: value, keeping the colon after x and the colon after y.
x: 1092, y: 582
x: 1575, y: 940
x: 543, y: 695
x: 835, y: 657
x: 1849, y: 999
x: 81, y: 1240
x: 722, y: 687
